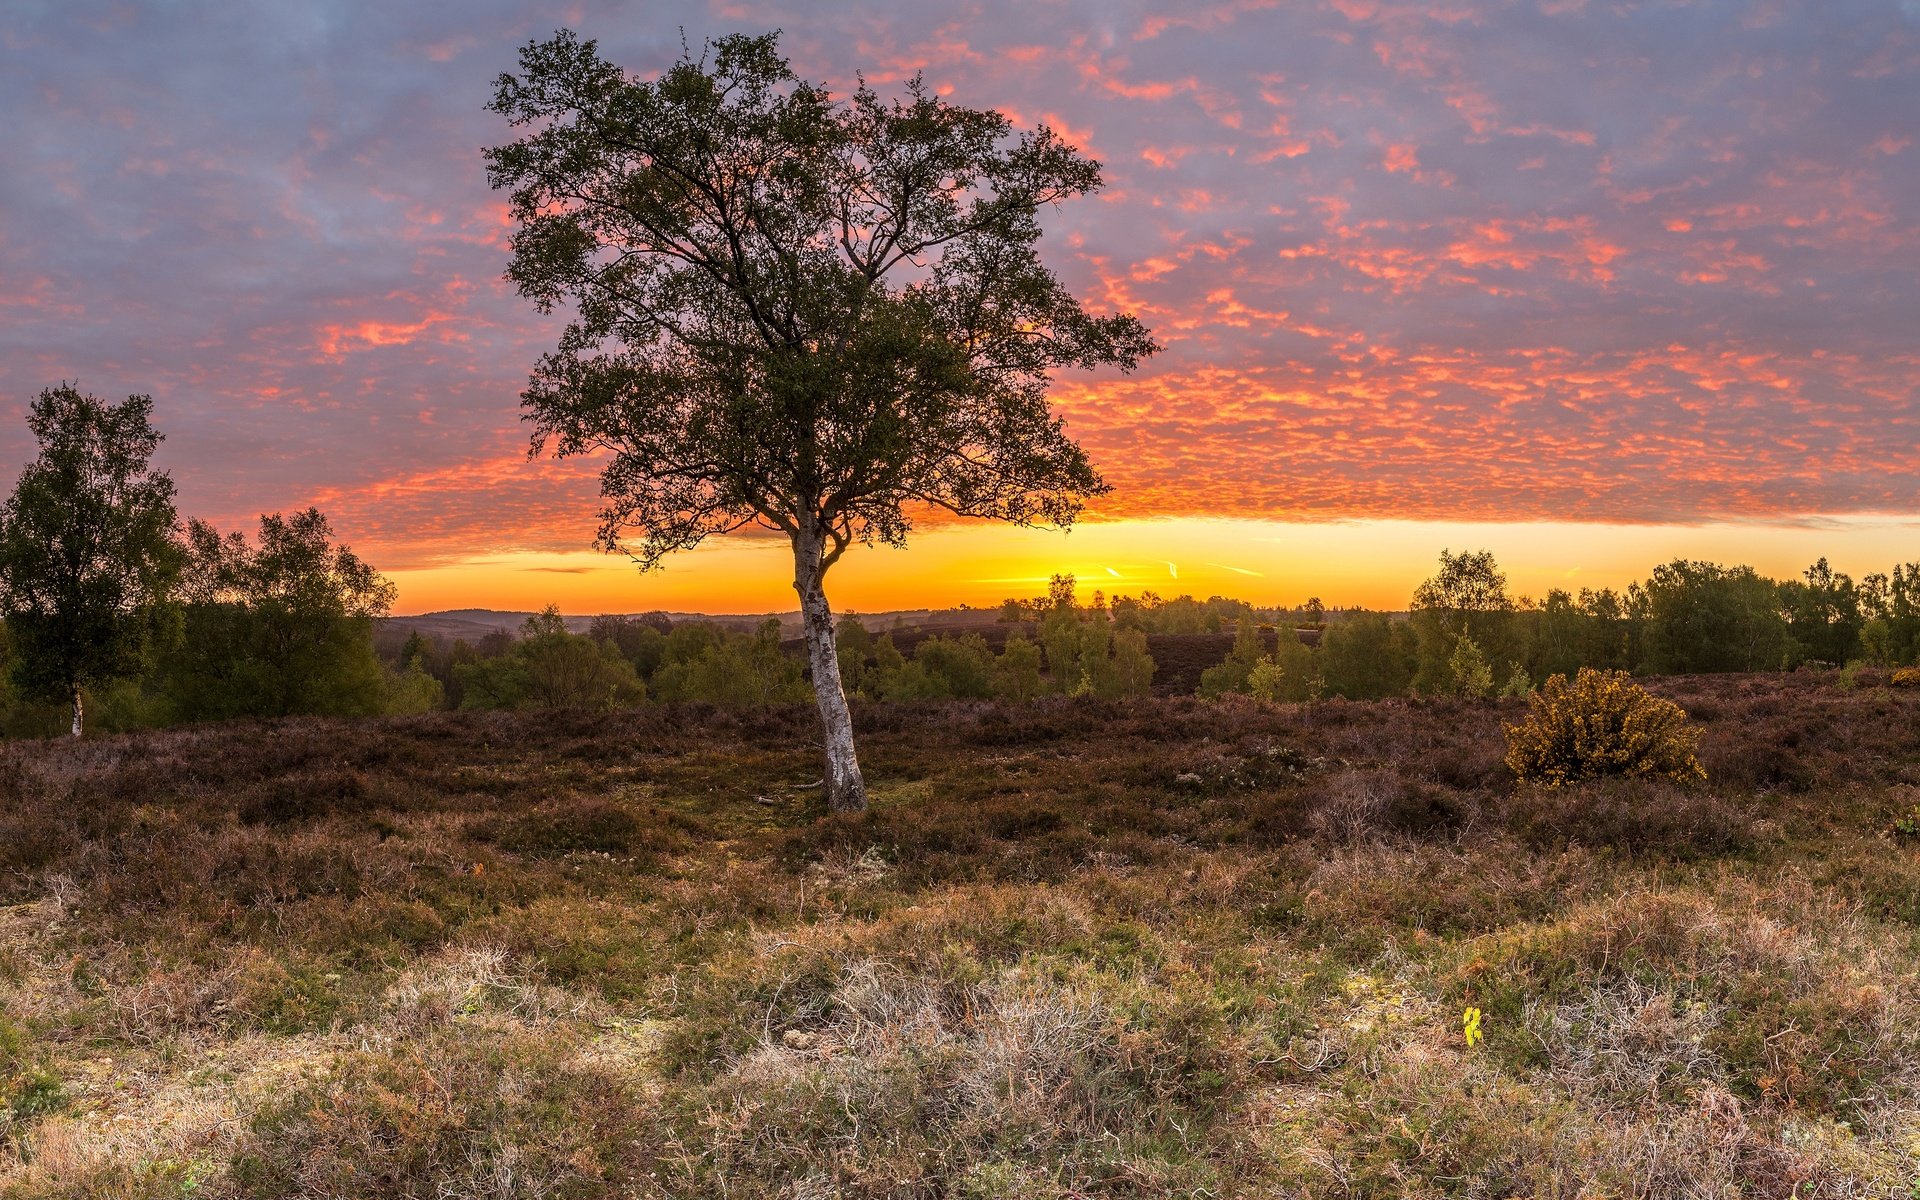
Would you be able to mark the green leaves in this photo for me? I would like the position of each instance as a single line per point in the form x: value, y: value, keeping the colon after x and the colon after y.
x: 279, y: 628
x: 814, y: 315
x: 86, y: 551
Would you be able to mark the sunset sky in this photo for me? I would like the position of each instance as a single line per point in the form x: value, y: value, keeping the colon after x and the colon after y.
x: 1590, y: 283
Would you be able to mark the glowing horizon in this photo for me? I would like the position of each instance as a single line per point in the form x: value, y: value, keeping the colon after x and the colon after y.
x: 1265, y: 562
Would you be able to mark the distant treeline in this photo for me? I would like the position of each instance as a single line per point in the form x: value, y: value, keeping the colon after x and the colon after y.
x: 285, y: 625
x: 628, y: 660
x: 1464, y: 634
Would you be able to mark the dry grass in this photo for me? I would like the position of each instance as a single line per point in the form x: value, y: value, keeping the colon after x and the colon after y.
x: 1076, y: 949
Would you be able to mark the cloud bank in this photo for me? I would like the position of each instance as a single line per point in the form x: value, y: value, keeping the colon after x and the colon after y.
x: 1598, y: 260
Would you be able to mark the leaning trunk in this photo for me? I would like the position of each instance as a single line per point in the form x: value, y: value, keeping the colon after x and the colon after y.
x: 76, y: 711
x: 846, y: 790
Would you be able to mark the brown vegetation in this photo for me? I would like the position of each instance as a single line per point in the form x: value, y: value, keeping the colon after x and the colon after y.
x: 1075, y: 948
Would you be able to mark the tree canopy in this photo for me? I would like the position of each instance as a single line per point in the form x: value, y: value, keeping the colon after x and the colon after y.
x: 279, y: 627
x: 819, y: 315
x: 86, y: 550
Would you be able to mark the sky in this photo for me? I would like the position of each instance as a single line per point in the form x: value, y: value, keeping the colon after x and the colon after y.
x: 1590, y: 283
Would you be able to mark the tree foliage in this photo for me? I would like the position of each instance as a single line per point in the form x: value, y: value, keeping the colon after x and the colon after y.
x: 552, y: 668
x: 86, y: 551
x: 1467, y: 598
x: 1367, y: 655
x: 792, y: 310
x: 1824, y: 616
x: 817, y: 315
x: 1700, y: 616
x: 276, y: 627
x: 723, y: 667
x: 1891, y: 633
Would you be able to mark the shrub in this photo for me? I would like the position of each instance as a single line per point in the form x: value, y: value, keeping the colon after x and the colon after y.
x: 1636, y: 816
x: 1519, y: 684
x: 1907, y: 824
x: 1472, y: 676
x: 1601, y: 724
x: 1267, y: 680
x: 1234, y: 674
x: 1907, y: 677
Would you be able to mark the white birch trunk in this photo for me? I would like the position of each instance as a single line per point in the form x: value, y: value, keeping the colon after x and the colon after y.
x: 846, y: 788
x: 76, y: 712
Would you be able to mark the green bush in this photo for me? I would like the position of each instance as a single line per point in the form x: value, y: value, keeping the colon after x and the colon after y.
x: 1468, y: 668
x: 1601, y: 724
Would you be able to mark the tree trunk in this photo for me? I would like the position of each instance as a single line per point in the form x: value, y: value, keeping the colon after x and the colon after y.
x: 846, y: 789
x: 76, y: 710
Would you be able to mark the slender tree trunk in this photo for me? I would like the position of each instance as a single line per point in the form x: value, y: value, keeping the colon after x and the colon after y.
x: 76, y: 710
x: 846, y: 789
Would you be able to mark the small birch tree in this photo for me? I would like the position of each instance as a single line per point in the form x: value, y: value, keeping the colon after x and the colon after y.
x: 819, y: 316
x: 86, y: 547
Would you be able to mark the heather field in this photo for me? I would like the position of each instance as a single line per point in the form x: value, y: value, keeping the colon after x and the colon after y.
x: 1159, y: 947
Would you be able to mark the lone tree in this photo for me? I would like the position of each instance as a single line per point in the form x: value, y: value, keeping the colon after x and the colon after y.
x: 86, y: 550
x: 817, y: 316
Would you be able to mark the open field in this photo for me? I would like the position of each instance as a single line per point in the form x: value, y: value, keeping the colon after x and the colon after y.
x: 1154, y: 948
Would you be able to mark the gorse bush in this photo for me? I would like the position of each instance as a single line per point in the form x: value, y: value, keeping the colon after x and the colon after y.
x: 1601, y: 724
x: 1907, y: 677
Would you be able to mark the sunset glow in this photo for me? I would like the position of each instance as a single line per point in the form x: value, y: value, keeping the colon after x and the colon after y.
x: 1376, y: 564
x: 1592, y: 285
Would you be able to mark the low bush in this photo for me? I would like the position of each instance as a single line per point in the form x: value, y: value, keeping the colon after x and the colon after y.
x: 1907, y: 677
x: 1632, y: 815
x: 1601, y: 724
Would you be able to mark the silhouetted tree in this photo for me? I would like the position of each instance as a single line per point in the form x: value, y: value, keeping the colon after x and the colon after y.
x: 1700, y: 616
x: 280, y: 627
x: 86, y: 550
x: 1823, y: 614
x: 1468, y: 598
x: 797, y: 312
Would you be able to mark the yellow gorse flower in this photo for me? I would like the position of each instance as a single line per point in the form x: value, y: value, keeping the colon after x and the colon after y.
x: 1470, y: 1025
x: 1601, y: 724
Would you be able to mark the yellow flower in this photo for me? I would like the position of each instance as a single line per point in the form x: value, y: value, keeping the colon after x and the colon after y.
x: 1470, y: 1021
